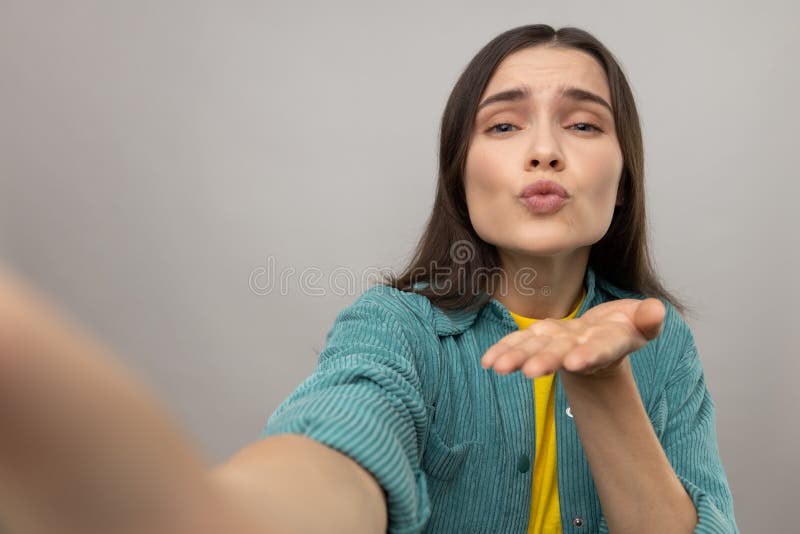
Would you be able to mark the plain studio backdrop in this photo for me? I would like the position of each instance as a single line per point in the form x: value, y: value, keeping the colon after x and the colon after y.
x: 159, y: 159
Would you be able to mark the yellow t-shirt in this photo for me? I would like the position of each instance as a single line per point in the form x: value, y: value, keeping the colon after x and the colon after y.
x: 545, y: 512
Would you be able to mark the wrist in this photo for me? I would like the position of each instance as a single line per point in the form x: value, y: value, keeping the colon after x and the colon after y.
x: 619, y: 368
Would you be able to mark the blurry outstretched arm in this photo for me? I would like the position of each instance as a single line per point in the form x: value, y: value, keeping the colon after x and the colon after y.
x: 85, y: 446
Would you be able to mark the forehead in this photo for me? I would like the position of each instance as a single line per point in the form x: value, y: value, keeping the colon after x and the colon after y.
x: 546, y: 70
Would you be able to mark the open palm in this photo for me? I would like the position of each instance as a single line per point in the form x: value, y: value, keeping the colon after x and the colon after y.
x: 592, y: 345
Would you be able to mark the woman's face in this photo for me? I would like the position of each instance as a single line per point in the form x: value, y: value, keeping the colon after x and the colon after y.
x: 543, y: 136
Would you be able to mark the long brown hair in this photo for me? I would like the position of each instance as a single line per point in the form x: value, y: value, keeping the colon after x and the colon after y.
x: 621, y: 256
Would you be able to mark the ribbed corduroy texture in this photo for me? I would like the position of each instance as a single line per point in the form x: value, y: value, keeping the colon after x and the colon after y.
x: 399, y: 388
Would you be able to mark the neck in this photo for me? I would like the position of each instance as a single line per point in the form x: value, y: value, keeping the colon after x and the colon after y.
x: 542, y: 287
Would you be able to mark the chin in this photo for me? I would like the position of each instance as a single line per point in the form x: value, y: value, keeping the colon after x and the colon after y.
x: 540, y: 249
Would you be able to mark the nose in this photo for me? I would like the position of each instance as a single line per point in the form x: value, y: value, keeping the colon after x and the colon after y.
x: 544, y: 151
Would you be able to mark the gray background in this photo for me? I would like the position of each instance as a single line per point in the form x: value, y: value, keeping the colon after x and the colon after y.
x: 155, y: 155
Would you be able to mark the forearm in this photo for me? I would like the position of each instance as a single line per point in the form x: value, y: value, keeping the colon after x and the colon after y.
x: 635, y: 481
x: 290, y: 483
x: 84, y: 445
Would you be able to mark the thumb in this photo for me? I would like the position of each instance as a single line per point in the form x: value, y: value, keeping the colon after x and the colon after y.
x: 649, y: 317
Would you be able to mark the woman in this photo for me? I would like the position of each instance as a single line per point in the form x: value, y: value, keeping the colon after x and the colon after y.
x: 527, y: 372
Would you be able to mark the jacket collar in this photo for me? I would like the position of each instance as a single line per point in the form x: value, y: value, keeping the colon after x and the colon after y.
x: 448, y: 323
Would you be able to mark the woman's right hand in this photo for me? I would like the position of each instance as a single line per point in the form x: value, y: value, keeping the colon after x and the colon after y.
x: 84, y: 445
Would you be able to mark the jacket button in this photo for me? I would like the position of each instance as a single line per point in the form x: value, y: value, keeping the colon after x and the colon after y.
x: 577, y: 521
x: 569, y: 411
x: 523, y: 463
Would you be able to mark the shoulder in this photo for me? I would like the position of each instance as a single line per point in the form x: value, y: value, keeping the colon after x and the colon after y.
x: 417, y: 312
x: 394, y: 329
x: 407, y: 307
x: 676, y: 333
x: 386, y: 310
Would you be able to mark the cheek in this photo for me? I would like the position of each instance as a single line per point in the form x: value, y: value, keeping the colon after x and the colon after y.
x: 479, y: 166
x: 603, y: 192
x: 487, y: 196
x: 599, y: 189
x: 482, y: 180
x: 604, y: 167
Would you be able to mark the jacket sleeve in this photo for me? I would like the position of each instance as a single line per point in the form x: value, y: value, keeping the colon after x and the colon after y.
x: 690, y: 443
x: 364, y: 399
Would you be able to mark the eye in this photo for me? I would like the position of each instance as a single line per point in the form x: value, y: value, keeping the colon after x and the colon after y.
x: 587, y: 127
x: 590, y: 125
x: 492, y: 128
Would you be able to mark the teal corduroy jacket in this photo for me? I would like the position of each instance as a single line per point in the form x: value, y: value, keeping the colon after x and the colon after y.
x: 399, y: 388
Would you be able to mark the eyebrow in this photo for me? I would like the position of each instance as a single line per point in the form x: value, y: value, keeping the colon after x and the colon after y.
x: 521, y: 93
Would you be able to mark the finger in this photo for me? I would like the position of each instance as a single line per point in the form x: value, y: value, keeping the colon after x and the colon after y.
x: 545, y: 327
x: 649, y: 318
x: 549, y: 359
x: 494, y: 352
x: 515, y: 357
x: 550, y: 327
x: 501, y: 346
